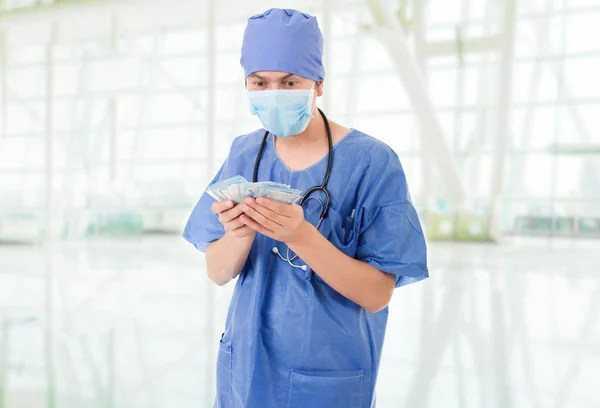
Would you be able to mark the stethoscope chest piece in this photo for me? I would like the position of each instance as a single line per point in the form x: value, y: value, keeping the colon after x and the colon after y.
x: 287, y: 259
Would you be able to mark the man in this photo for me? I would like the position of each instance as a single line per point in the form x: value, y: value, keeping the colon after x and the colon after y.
x: 307, y: 319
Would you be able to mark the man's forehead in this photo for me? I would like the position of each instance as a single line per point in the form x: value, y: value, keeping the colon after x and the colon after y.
x: 274, y: 75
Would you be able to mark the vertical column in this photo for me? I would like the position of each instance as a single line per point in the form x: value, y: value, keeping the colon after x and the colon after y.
x: 503, y: 122
x: 49, y: 223
x: 502, y: 391
x: 484, y: 105
x: 327, y: 54
x: 3, y: 83
x: 353, y: 75
x: 426, y: 158
x: 558, y: 116
x: 48, y: 135
x: 112, y: 109
x: 459, y: 112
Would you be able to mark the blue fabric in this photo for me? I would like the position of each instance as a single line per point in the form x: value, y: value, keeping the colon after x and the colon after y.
x: 283, y: 40
x: 290, y: 340
x: 283, y: 113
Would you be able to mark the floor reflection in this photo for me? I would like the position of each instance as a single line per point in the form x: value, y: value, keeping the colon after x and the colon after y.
x: 134, y: 324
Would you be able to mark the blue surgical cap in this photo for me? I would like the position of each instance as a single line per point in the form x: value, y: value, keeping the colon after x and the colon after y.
x: 283, y: 40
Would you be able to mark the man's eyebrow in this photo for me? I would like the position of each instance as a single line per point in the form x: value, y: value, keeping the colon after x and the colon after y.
x: 288, y: 76
x: 256, y: 76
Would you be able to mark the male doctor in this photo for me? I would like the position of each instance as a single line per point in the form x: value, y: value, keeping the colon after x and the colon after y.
x: 307, y: 319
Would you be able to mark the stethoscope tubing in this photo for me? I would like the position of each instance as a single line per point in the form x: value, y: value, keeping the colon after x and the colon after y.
x: 310, y: 191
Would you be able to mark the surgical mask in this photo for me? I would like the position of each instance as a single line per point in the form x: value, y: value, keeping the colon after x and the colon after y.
x: 282, y: 112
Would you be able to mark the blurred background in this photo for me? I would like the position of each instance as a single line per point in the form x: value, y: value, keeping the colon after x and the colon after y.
x: 115, y: 115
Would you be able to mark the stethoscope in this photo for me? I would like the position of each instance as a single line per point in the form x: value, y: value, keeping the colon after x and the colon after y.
x: 307, y: 195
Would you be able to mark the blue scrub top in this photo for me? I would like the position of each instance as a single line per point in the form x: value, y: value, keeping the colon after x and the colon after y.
x: 290, y: 340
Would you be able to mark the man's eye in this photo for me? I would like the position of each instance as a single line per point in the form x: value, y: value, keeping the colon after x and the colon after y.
x: 259, y: 84
x: 291, y: 83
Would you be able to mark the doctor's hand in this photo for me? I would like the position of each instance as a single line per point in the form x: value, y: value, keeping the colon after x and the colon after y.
x: 229, y: 216
x: 279, y: 221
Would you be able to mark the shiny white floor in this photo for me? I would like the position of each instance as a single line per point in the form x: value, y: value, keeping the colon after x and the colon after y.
x: 134, y: 324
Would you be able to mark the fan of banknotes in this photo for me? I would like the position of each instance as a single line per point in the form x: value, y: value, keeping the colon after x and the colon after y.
x: 237, y: 188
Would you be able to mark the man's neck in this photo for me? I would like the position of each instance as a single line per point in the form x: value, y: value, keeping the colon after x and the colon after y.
x: 315, y: 134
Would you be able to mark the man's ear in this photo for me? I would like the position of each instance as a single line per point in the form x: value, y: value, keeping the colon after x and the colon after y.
x: 319, y: 88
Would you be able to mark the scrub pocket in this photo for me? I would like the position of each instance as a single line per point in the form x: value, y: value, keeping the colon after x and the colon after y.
x: 342, y: 232
x: 344, y: 236
x: 326, y: 389
x: 223, y: 377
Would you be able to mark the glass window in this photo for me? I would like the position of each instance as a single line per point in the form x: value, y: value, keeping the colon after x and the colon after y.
x: 535, y: 81
x: 580, y: 32
x: 396, y: 130
x: 581, y: 75
x: 377, y: 93
x: 534, y: 127
x: 539, y: 36
x: 443, y: 11
x: 185, y: 41
x: 375, y: 57
x: 442, y: 86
